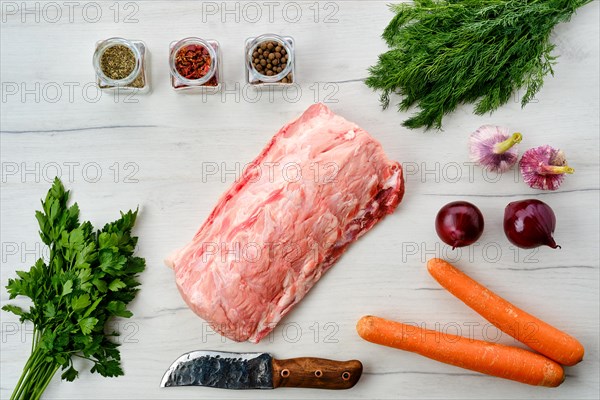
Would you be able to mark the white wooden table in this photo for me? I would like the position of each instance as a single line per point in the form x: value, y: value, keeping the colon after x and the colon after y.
x: 117, y: 153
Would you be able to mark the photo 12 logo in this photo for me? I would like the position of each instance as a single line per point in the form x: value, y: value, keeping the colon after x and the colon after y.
x: 455, y: 172
x: 490, y: 252
x: 259, y: 254
x: 236, y: 92
x: 64, y: 92
x: 271, y: 11
x: 53, y: 12
x: 288, y: 171
x: 289, y: 332
x: 23, y: 332
x: 22, y: 252
x: 69, y: 171
x: 451, y: 332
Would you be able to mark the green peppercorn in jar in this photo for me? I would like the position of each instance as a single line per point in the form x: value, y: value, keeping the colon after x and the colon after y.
x: 121, y: 64
x: 270, y: 60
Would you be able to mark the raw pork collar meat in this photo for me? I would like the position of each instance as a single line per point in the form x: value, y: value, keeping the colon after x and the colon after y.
x: 320, y: 184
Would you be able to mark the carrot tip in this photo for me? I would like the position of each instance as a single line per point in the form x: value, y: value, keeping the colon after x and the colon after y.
x: 363, y: 325
x: 434, y: 263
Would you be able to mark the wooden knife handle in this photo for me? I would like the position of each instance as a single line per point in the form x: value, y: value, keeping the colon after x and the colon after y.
x: 319, y: 373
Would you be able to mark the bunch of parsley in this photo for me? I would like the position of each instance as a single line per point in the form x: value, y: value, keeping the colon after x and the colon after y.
x: 447, y: 52
x: 89, y: 277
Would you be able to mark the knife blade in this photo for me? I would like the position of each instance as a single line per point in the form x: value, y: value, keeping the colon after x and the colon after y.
x: 227, y: 370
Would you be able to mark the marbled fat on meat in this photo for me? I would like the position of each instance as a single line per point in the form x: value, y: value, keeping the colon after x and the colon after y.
x: 320, y: 184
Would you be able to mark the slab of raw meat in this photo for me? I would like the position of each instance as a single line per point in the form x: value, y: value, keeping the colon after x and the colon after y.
x: 320, y: 184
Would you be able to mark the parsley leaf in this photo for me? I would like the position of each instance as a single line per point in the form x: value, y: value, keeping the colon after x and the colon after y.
x: 87, y: 324
x: 67, y: 288
x: 90, y: 277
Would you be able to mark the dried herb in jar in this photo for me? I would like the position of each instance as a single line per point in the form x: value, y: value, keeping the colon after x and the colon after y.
x: 194, y: 62
x: 139, y: 82
x: 117, y: 62
x: 270, y: 58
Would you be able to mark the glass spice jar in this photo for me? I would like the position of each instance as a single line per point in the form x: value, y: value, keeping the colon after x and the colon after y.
x: 270, y: 60
x: 121, y: 64
x: 195, y: 64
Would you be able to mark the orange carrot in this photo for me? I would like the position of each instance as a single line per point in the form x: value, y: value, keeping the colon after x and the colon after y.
x: 524, y: 327
x: 489, y: 358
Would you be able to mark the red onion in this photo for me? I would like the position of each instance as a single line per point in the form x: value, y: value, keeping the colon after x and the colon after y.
x: 529, y: 224
x: 459, y: 224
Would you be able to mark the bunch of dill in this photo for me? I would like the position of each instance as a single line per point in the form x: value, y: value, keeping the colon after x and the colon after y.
x: 447, y: 52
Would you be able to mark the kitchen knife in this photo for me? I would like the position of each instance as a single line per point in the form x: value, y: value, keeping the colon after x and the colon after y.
x: 227, y: 370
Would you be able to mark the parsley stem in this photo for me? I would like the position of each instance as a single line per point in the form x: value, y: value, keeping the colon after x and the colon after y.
x: 36, y: 375
x: 47, y: 378
x: 34, y: 341
x: 21, y: 384
x: 86, y: 358
x: 32, y: 378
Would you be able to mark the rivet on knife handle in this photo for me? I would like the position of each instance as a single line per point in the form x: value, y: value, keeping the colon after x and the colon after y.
x: 319, y: 373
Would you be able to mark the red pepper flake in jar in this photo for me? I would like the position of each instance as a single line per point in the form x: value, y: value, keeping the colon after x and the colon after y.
x: 193, y: 61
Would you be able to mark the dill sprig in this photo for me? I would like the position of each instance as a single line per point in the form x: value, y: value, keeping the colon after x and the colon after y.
x: 447, y: 52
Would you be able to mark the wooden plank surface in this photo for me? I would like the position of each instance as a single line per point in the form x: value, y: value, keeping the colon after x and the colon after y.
x: 155, y: 150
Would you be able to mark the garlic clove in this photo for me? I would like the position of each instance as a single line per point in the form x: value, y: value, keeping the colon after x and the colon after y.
x: 494, y: 148
x: 544, y: 167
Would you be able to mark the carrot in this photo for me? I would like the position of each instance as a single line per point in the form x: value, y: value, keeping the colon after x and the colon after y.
x: 524, y: 327
x: 489, y: 358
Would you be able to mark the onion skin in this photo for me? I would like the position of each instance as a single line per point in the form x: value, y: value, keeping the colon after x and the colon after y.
x: 529, y: 224
x: 459, y: 224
